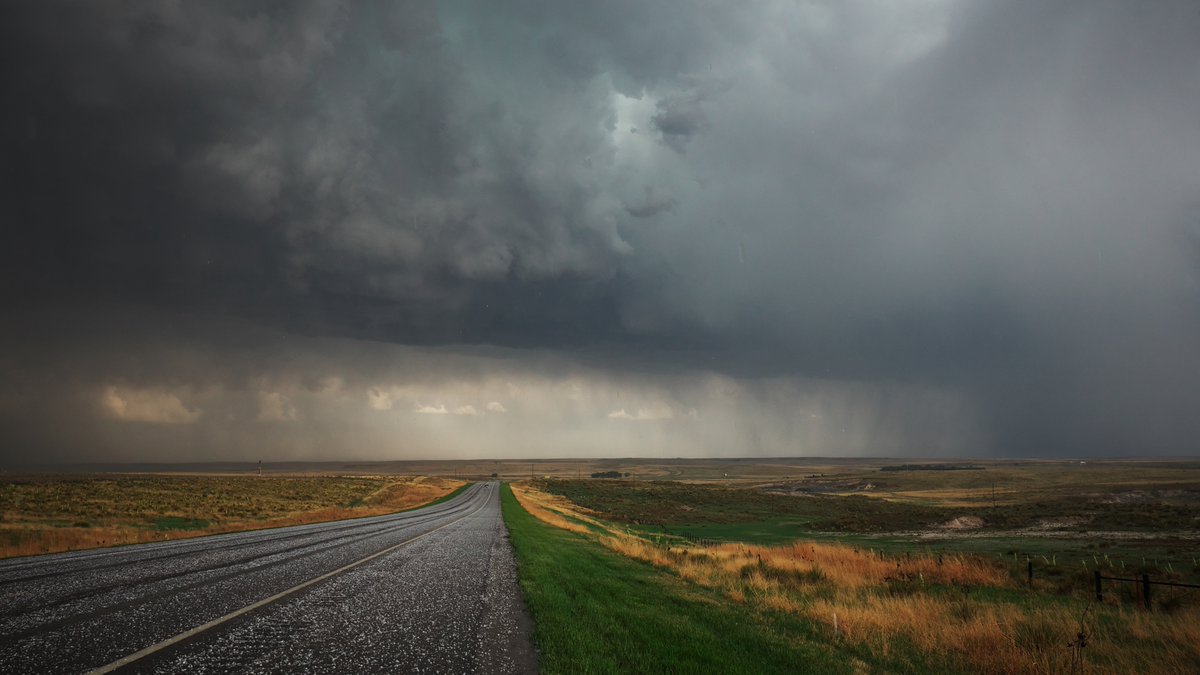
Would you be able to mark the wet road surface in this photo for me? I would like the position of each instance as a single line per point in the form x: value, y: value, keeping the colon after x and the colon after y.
x: 432, y: 590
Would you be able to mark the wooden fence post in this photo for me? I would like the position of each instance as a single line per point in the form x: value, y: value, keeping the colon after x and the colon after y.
x: 1099, y: 588
x: 1146, y: 590
x: 1030, y: 563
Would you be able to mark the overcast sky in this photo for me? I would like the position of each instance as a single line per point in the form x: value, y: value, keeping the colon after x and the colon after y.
x: 377, y: 230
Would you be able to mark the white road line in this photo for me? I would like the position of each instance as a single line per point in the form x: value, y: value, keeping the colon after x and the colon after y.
x: 136, y: 656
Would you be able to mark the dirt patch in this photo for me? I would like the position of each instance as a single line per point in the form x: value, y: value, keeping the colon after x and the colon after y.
x: 1151, y: 496
x: 1061, y: 523
x: 963, y: 523
x: 816, y: 487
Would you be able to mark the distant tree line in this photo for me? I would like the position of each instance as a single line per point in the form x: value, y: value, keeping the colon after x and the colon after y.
x: 609, y: 474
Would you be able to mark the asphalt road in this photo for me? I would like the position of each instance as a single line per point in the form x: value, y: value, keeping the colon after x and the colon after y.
x: 431, y: 590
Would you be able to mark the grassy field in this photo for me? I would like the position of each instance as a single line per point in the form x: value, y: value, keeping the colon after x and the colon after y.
x: 1106, y: 496
x: 597, y: 611
x: 668, y: 504
x: 43, y: 514
x: 888, y: 596
x: 1134, y: 517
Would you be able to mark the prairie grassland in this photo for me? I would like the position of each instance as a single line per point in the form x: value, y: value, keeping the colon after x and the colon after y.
x: 963, y: 610
x: 596, y: 611
x: 50, y: 514
x: 1129, y: 517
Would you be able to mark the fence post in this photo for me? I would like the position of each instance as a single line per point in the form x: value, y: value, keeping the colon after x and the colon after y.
x: 1099, y: 588
x: 1030, y: 563
x: 1146, y: 590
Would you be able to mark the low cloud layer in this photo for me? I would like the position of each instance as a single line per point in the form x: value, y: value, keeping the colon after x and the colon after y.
x: 922, y: 228
x: 322, y: 397
x: 147, y: 405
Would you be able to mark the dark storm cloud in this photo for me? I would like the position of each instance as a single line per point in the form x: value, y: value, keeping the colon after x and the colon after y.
x: 307, y: 158
x: 678, y: 119
x: 995, y: 201
x: 651, y: 204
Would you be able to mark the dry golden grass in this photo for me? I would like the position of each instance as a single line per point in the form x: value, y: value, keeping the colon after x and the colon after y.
x: 536, y: 504
x: 47, y: 516
x: 869, y: 599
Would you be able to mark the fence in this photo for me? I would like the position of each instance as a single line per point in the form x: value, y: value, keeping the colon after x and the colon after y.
x: 1145, y: 583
